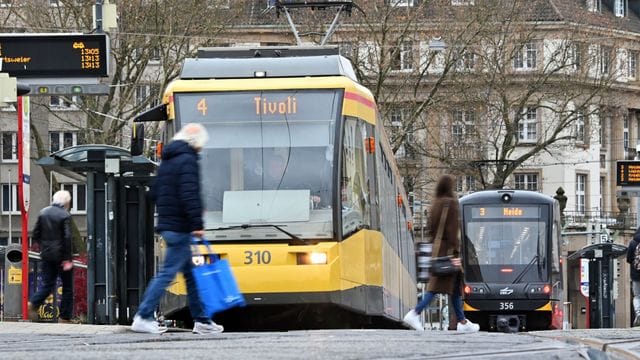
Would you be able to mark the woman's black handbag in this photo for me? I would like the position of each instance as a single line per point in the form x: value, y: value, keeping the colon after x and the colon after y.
x: 442, y: 266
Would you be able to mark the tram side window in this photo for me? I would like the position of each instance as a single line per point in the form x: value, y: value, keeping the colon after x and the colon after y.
x: 354, y: 191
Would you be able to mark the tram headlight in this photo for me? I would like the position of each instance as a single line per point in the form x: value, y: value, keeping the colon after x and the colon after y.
x: 312, y: 258
x: 506, y: 198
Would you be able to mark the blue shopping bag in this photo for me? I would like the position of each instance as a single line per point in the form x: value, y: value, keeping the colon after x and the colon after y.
x: 217, y: 287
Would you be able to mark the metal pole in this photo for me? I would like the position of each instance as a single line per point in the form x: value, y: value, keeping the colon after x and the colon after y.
x: 10, y: 209
x: 293, y: 26
x: 99, y: 16
x: 332, y: 28
x: 106, y: 251
x: 91, y: 255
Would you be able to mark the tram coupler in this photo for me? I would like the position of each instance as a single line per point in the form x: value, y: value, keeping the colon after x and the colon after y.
x: 508, y: 323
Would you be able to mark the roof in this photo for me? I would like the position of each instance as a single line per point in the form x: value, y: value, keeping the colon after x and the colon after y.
x: 76, y: 160
x: 435, y: 11
x: 270, y: 67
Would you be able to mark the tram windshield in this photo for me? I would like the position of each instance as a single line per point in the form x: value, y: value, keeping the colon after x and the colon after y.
x: 505, y: 244
x: 269, y: 160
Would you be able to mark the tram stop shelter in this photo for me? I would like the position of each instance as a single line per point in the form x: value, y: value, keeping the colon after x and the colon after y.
x: 120, y: 238
x: 601, y: 302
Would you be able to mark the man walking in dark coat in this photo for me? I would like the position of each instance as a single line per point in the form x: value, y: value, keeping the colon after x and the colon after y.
x: 53, y: 233
x: 179, y: 206
x: 634, y: 261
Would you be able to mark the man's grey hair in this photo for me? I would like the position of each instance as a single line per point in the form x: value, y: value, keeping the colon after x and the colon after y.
x: 62, y: 198
x: 193, y: 134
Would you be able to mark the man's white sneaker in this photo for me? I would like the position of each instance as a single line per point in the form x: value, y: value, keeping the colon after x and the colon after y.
x: 468, y: 327
x: 412, y: 319
x: 149, y: 326
x: 207, y: 328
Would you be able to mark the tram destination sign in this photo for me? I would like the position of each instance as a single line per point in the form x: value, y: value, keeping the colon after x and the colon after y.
x: 54, y: 55
x: 628, y: 173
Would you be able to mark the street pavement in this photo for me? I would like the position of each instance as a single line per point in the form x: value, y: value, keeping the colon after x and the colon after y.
x: 26, y: 340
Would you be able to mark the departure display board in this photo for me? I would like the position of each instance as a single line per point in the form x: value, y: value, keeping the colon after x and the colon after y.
x: 628, y: 173
x: 54, y: 55
x: 505, y: 212
x: 248, y: 106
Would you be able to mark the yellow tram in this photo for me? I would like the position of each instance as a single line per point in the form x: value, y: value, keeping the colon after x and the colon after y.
x: 302, y: 193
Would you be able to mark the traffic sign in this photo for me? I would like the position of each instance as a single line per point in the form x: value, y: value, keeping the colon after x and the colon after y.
x: 628, y: 173
x: 54, y: 55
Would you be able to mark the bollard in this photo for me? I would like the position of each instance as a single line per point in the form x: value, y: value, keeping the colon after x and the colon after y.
x: 566, y: 309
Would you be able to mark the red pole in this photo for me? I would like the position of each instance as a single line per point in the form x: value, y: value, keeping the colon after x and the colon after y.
x: 24, y: 214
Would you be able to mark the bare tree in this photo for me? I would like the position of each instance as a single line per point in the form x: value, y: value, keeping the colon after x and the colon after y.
x: 507, y: 87
x: 147, y: 49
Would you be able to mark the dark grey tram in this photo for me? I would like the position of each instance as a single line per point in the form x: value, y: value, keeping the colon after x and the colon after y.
x: 511, y: 256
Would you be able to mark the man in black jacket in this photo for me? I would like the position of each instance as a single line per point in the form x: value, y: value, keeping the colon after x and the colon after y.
x: 53, y: 233
x: 634, y: 262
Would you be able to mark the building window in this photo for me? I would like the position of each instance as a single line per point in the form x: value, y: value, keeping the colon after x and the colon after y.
x: 9, y: 147
x: 605, y: 59
x: 54, y: 3
x: 575, y: 56
x: 401, y: 3
x: 61, y: 140
x: 63, y: 102
x: 463, y: 126
x: 470, y: 182
x: 602, y: 194
x: 581, y: 192
x: 10, y: 199
x: 466, y: 184
x: 403, y: 57
x: 632, y: 65
x: 527, y: 125
x: 603, y: 161
x: 594, y: 5
x: 78, y: 197
x: 526, y: 181
x: 466, y: 61
x: 625, y: 134
x: 400, y: 128
x: 580, y: 128
x: 525, y: 58
x: 620, y: 8
x: 148, y: 94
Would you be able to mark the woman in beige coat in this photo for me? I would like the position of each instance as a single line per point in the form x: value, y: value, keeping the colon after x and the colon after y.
x: 445, y: 200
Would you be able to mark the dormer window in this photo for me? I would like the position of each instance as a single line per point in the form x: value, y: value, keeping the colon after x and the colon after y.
x: 594, y: 5
x: 620, y: 8
x: 462, y: 2
x: 402, y: 3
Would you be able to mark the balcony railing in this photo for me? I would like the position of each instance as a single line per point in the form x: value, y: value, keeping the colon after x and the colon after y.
x: 613, y: 220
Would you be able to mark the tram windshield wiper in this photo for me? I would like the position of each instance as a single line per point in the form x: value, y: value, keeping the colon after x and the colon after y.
x: 536, y: 258
x: 295, y: 239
